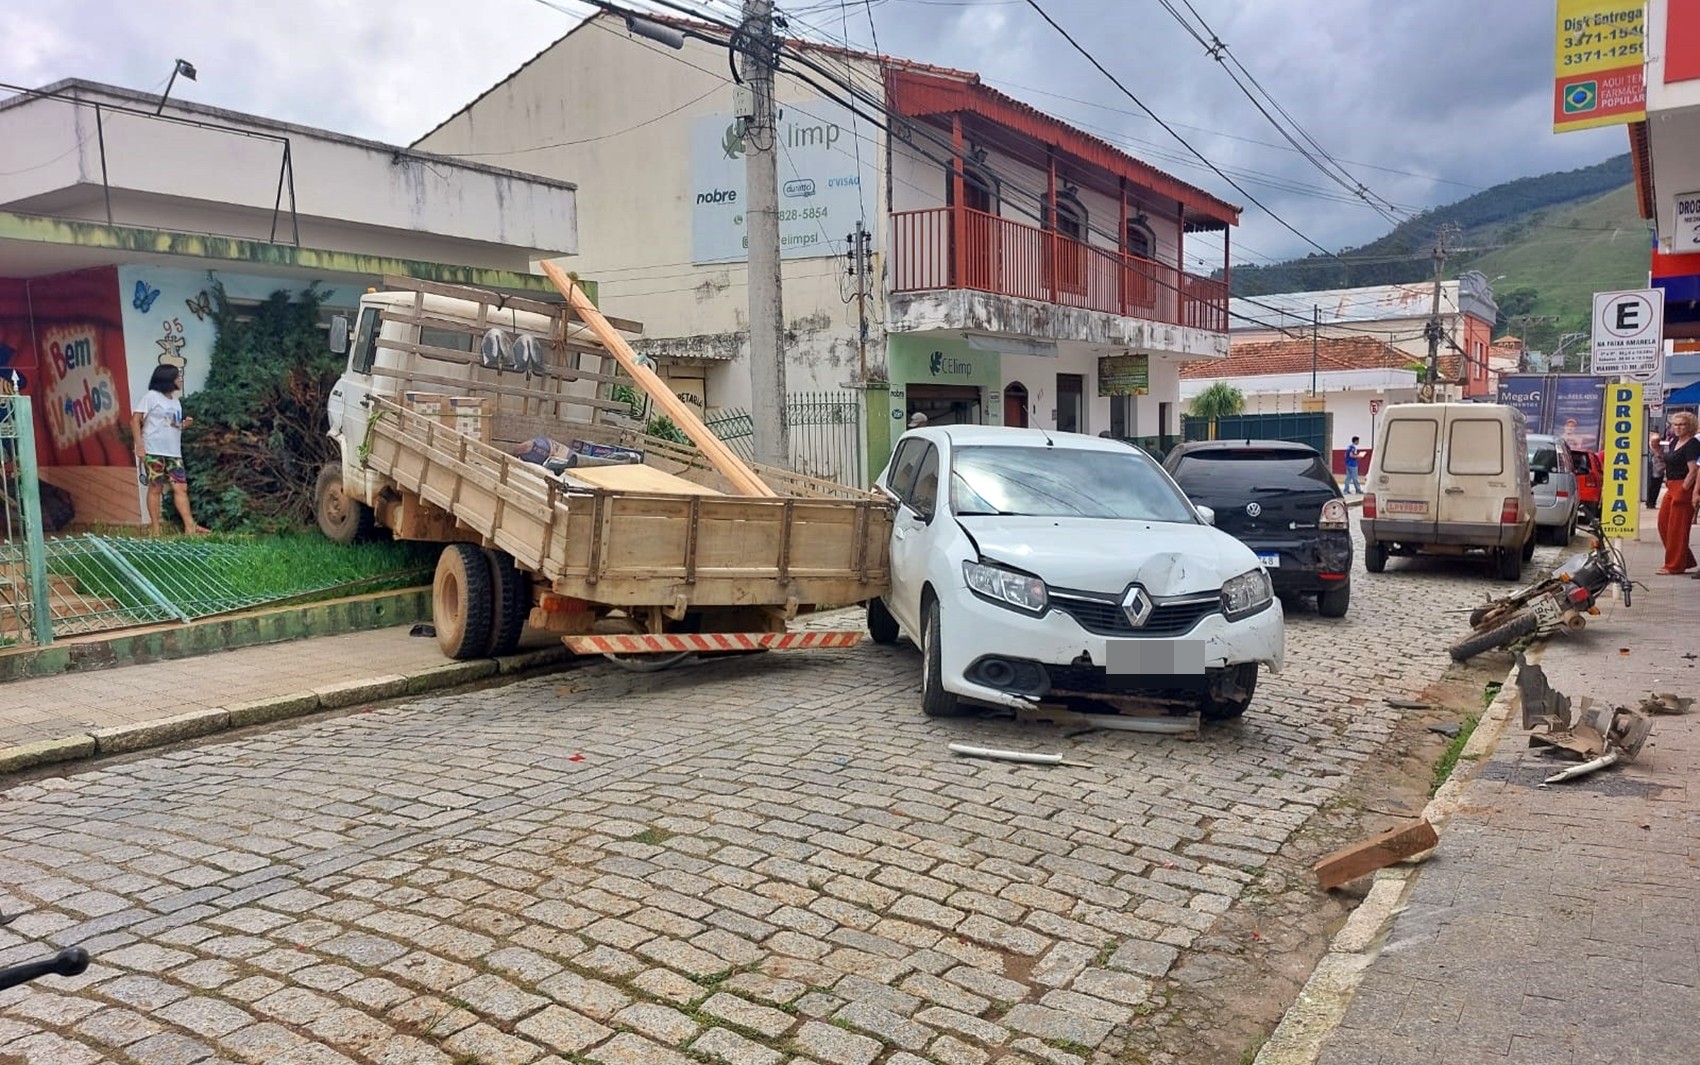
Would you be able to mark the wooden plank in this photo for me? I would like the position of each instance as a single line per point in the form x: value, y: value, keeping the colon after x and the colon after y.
x: 437, y: 353
x: 581, y: 343
x: 499, y: 300
x: 500, y: 390
x: 1361, y: 859
x: 638, y: 479
x: 743, y: 479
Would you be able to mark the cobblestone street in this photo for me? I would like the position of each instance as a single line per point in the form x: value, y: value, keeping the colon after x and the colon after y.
x: 754, y: 861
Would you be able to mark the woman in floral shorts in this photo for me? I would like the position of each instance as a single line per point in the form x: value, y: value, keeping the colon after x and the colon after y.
x: 159, y: 425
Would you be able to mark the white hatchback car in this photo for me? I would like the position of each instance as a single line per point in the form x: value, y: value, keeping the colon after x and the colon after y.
x: 1033, y: 566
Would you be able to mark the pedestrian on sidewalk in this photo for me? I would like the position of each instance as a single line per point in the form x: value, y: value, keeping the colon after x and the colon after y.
x: 159, y: 423
x: 1352, y: 485
x: 1680, y: 459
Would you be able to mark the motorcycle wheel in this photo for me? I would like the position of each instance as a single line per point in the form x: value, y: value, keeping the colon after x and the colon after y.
x: 1510, y: 632
x: 1479, y: 615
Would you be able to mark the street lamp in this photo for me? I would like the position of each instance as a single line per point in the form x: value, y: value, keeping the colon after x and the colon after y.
x: 183, y: 67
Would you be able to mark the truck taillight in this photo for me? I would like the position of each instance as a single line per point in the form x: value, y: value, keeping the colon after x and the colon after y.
x: 1508, y: 511
x: 1333, y: 515
x: 1369, y: 504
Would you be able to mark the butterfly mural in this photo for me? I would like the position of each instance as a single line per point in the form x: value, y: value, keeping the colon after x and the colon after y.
x: 144, y: 297
x: 200, y: 305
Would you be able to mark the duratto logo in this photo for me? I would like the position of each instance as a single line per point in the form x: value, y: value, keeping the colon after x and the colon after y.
x: 718, y: 196
x: 801, y: 187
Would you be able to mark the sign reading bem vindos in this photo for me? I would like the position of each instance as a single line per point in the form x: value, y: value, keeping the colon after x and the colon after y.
x: 824, y: 189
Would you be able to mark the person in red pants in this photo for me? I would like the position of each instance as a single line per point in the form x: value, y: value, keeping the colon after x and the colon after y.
x: 1681, y: 461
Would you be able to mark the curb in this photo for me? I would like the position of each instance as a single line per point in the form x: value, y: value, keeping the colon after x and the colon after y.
x: 1322, y: 1003
x: 124, y: 739
x: 333, y: 617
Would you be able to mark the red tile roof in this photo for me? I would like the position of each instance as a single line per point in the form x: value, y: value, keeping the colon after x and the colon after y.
x: 1266, y: 358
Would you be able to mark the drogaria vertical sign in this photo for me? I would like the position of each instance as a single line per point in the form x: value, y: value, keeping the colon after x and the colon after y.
x: 1620, y: 497
x: 1599, y: 77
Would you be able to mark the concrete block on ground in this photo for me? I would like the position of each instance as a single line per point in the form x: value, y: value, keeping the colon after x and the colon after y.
x: 354, y: 692
x: 275, y: 708
x: 46, y: 752
x: 135, y: 737
x: 450, y: 674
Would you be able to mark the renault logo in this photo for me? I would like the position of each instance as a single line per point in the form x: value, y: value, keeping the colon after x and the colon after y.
x: 1137, y: 606
x: 1254, y: 509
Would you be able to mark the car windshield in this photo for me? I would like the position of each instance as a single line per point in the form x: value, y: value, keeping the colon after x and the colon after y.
x: 1543, y: 458
x: 1061, y: 482
x: 1257, y: 469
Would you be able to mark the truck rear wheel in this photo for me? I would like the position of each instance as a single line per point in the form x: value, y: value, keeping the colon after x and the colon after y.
x: 462, y: 601
x: 510, y: 602
x: 342, y: 518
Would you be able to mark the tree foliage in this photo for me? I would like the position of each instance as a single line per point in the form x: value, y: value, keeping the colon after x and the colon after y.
x: 1518, y: 301
x: 1220, y: 400
x: 259, y: 435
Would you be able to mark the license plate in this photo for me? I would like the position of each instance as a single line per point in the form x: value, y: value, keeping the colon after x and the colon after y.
x: 1156, y: 657
x: 1547, y: 610
x: 1405, y: 506
x: 1270, y: 561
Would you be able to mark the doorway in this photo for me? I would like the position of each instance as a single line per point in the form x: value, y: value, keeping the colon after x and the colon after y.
x: 1015, y: 405
x: 1071, y: 403
x: 945, y: 404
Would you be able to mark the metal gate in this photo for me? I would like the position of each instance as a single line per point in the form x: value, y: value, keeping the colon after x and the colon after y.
x: 825, y: 431
x: 1315, y: 428
x: 25, y: 616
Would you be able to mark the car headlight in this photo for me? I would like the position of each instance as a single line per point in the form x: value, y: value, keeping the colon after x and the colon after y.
x: 1006, y: 587
x: 1246, y: 594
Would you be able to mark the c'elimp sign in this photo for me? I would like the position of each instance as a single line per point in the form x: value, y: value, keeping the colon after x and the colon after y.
x: 1620, y: 497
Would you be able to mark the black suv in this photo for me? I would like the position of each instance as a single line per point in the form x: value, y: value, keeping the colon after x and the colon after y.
x: 1281, y: 501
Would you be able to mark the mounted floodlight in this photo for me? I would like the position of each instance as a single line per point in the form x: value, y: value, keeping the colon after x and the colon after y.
x: 183, y: 67
x: 654, y: 31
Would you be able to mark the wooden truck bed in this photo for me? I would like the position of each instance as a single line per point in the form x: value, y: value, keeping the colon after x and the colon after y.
x: 817, y: 543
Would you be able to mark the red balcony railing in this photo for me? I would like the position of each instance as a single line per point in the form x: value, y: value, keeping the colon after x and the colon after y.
x: 946, y: 247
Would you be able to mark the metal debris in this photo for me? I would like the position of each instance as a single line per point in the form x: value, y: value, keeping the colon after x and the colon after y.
x: 1601, y: 736
x: 1666, y: 703
x: 1027, y: 757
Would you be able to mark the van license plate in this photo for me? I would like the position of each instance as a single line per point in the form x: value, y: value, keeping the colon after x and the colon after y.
x: 1155, y: 657
x: 1270, y: 561
x: 1406, y: 506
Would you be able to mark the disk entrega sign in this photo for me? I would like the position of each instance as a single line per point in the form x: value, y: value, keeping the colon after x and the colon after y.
x: 1124, y: 375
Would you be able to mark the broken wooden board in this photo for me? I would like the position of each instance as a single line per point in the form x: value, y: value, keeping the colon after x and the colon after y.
x: 639, y: 479
x: 1361, y: 859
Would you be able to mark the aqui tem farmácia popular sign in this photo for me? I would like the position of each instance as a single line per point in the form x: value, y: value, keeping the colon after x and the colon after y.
x: 1598, y: 77
x: 1620, y: 497
x: 827, y: 182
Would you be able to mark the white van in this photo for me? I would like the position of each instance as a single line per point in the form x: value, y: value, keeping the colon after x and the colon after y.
x: 1450, y: 478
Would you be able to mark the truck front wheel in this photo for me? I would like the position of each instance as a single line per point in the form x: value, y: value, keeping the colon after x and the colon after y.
x: 462, y: 601
x: 342, y: 518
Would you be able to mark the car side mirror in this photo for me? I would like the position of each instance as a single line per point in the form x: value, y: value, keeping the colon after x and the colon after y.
x: 339, y: 334
x: 1208, y: 514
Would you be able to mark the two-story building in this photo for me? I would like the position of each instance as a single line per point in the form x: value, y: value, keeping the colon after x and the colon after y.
x: 1013, y: 269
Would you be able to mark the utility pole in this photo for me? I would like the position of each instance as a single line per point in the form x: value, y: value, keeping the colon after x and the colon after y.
x: 761, y: 181
x: 1434, y: 331
x: 858, y: 267
x: 1315, y: 324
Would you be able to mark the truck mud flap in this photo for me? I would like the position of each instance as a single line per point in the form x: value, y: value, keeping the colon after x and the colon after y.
x: 709, y: 643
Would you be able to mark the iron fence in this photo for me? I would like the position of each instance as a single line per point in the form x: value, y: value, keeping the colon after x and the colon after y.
x: 825, y: 431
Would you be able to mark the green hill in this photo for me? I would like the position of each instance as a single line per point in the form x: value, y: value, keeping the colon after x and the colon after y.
x: 1557, y: 238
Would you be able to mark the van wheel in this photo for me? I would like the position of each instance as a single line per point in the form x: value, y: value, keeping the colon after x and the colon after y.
x: 461, y: 601
x: 935, y: 701
x: 1508, y: 563
x: 1375, y: 556
x: 1529, y: 548
x: 342, y: 518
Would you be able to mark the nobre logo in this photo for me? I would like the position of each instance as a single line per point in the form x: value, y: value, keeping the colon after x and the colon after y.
x: 718, y: 196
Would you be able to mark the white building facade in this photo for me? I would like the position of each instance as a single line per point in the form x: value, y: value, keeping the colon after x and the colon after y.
x: 1017, y: 270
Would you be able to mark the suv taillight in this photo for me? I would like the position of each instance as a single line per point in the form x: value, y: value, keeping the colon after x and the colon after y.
x: 1333, y: 515
x: 1508, y: 511
x: 1369, y: 504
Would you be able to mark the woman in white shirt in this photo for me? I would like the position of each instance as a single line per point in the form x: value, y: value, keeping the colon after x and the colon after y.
x: 159, y: 425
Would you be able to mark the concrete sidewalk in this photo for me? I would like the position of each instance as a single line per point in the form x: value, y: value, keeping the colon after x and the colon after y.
x: 1552, y: 925
x: 74, y: 715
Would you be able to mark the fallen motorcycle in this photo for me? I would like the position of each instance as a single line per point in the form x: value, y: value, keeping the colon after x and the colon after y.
x: 1560, y: 602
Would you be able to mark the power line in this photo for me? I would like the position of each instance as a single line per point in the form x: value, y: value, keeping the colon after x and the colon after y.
x: 1090, y: 58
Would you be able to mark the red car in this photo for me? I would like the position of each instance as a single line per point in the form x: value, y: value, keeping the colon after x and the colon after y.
x: 1590, y: 479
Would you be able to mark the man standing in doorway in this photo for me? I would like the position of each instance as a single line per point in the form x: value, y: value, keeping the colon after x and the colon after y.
x: 1352, y: 485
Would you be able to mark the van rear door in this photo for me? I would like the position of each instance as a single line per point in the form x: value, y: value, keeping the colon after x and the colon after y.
x: 1405, y: 485
x: 1479, y: 466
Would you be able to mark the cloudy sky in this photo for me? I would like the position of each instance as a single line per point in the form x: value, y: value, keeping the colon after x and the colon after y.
x: 1423, y: 103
